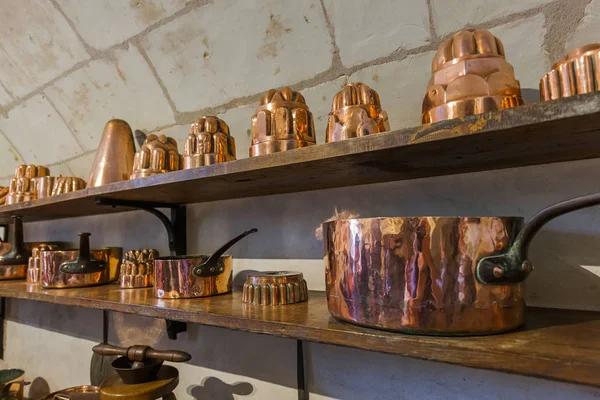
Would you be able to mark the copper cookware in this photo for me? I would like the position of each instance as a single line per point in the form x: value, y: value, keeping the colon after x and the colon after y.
x: 180, y: 277
x: 11, y: 384
x: 576, y: 74
x: 13, y: 264
x: 209, y: 142
x: 433, y: 275
x: 67, y: 184
x: 282, y: 122
x: 24, y: 185
x: 34, y: 265
x: 137, y: 269
x: 470, y: 76
x: 3, y: 194
x: 85, y: 392
x: 114, y: 157
x: 274, y: 288
x: 157, y: 155
x: 356, y: 111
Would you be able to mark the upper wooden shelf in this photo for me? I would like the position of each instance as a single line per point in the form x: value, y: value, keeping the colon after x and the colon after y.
x: 562, y: 130
x: 554, y: 344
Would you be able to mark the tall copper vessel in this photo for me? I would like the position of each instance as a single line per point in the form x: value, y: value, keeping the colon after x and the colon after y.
x: 114, y: 157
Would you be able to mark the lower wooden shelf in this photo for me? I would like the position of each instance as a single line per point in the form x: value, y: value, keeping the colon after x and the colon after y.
x: 555, y: 344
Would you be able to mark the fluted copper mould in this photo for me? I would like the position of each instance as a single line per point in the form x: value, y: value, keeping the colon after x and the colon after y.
x: 433, y: 275
x: 282, y: 122
x: 3, y: 194
x: 13, y: 265
x: 355, y: 111
x: 24, y: 186
x: 575, y: 74
x: 34, y: 265
x: 114, y: 157
x: 470, y: 75
x: 137, y: 269
x: 79, y: 268
x: 157, y: 155
x: 274, y: 288
x: 181, y: 277
x: 209, y: 142
x: 67, y: 184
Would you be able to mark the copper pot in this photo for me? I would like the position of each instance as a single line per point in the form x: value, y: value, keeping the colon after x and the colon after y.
x: 13, y: 264
x: 433, y: 275
x: 182, y: 277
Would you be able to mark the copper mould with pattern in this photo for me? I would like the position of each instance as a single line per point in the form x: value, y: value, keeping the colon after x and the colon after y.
x: 356, y: 111
x: 24, y: 185
x: 433, y: 275
x: 67, y: 184
x: 34, y: 265
x: 137, y: 269
x: 13, y: 264
x: 575, y: 74
x: 157, y: 155
x: 274, y: 288
x: 114, y: 157
x: 3, y: 194
x: 181, y: 277
x: 470, y: 75
x: 282, y: 122
x: 209, y: 142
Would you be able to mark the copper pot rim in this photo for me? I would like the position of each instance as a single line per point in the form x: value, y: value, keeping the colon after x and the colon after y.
x: 460, y: 217
x: 189, y: 257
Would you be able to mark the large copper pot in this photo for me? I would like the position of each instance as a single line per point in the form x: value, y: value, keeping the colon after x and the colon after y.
x: 433, y: 275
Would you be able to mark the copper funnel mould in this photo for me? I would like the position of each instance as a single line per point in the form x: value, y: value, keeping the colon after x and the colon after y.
x: 114, y: 157
x: 209, y: 142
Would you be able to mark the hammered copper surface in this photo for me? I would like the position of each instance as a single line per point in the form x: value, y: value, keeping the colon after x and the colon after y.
x: 282, y: 122
x: 209, y: 142
x: 24, y: 186
x: 275, y: 288
x: 114, y: 157
x: 34, y: 265
x: 355, y: 111
x: 470, y: 75
x: 157, y: 155
x: 417, y: 274
x: 137, y: 268
x: 575, y: 74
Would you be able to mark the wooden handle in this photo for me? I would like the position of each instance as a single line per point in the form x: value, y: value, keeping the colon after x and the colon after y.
x: 141, y: 353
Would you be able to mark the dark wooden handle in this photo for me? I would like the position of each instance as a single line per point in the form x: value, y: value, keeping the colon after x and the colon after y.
x: 141, y: 353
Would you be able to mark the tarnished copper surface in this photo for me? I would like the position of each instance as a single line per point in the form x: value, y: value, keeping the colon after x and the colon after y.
x: 114, y: 157
x: 417, y: 274
x: 470, y: 75
x: 137, y: 269
x: 282, y: 122
x: 356, y: 111
x: 275, y: 288
x: 66, y: 184
x: 24, y: 185
x: 34, y: 265
x: 209, y: 142
x: 3, y: 194
x: 157, y: 155
x: 577, y: 73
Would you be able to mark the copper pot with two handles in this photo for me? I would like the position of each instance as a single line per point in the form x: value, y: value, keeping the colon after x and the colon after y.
x: 434, y: 275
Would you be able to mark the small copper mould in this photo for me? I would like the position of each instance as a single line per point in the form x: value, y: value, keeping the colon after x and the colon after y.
x: 3, y: 194
x: 356, y: 111
x: 470, y: 75
x: 274, y: 288
x: 282, y: 122
x: 67, y: 184
x: 577, y: 73
x: 157, y: 155
x: 35, y: 261
x: 30, y: 182
x: 209, y: 142
x: 137, y: 269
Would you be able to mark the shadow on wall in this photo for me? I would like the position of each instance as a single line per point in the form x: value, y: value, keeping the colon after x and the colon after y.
x: 216, y: 389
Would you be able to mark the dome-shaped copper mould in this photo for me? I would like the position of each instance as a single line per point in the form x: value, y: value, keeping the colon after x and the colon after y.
x: 209, y: 142
x: 282, y: 122
x: 355, y: 111
x: 470, y: 75
x: 577, y: 73
x: 157, y: 155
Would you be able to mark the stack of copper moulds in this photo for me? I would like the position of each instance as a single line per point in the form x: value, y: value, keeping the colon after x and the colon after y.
x: 30, y: 182
x: 137, y: 269
x: 209, y: 142
x: 3, y: 194
x: 470, y: 76
x: 157, y: 155
x: 282, y: 122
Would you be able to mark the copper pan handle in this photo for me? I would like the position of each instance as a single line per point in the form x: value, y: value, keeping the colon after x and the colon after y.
x: 204, y: 269
x: 141, y: 353
x: 514, y: 266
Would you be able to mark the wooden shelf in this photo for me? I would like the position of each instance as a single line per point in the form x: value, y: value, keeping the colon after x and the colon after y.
x: 562, y: 130
x: 555, y: 344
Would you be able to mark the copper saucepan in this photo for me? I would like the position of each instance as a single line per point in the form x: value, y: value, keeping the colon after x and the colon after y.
x: 181, y: 277
x: 434, y: 275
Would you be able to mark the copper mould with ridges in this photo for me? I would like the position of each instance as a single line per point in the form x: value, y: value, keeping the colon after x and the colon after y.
x: 24, y: 185
x: 356, y: 111
x: 470, y: 75
x: 433, y: 275
x: 79, y: 268
x: 275, y: 288
x: 576, y: 74
x: 3, y: 194
x: 209, y: 142
x: 181, y: 277
x: 13, y: 264
x: 282, y: 122
x: 67, y: 184
x: 34, y: 265
x: 157, y: 155
x: 114, y: 157
x: 137, y: 269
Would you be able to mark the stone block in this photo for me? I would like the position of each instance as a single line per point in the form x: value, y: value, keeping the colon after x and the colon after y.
x: 10, y: 158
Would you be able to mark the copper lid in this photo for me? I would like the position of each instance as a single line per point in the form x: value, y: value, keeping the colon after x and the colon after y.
x: 282, y: 122
x: 137, y: 269
x: 275, y: 288
x: 209, y: 142
x: 157, y: 155
x: 575, y: 74
x: 355, y: 111
x: 24, y: 186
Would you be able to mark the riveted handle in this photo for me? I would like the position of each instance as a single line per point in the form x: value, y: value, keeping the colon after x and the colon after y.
x: 212, y: 267
x: 139, y: 353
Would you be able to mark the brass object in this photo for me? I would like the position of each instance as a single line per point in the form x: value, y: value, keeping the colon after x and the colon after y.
x: 12, y: 384
x: 13, y: 265
x: 275, y: 288
x: 209, y: 142
x: 67, y: 184
x: 3, y: 194
x: 75, y: 393
x: 470, y: 75
x: 114, y: 157
x: 181, y: 277
x: 34, y: 265
x: 24, y: 185
x: 576, y: 74
x: 157, y: 155
x: 356, y: 111
x: 282, y: 122
x: 137, y: 268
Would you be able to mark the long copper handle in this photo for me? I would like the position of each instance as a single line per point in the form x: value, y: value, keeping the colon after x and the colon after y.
x: 210, y: 267
x: 141, y: 353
